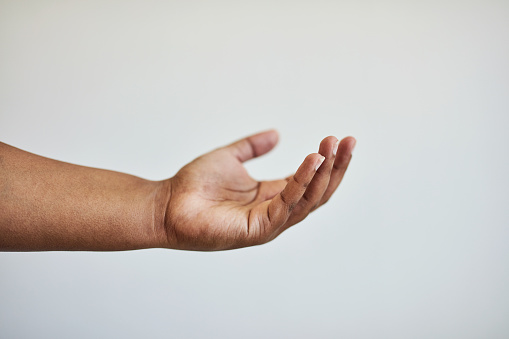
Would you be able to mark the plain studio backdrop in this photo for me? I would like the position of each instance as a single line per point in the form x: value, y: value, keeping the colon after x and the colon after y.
x: 414, y: 244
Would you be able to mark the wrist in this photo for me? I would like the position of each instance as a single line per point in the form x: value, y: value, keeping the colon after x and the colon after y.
x: 161, y: 217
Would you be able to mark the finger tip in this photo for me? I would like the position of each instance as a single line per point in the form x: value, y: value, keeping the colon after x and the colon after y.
x: 345, y: 149
x: 273, y: 135
x: 328, y: 146
x: 353, y: 142
x: 313, y: 161
x: 330, y: 139
x: 350, y: 141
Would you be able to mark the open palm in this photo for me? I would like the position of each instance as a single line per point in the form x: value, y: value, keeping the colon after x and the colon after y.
x: 215, y: 205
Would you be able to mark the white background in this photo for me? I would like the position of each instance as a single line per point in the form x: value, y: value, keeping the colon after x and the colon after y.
x: 414, y: 244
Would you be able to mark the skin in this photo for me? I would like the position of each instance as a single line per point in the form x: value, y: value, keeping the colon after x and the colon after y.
x: 210, y: 204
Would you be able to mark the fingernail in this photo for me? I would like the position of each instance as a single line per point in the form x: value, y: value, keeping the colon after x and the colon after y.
x: 335, y: 148
x: 353, y: 147
x: 319, y: 163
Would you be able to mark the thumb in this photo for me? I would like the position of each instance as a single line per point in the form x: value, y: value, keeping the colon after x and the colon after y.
x: 254, y: 145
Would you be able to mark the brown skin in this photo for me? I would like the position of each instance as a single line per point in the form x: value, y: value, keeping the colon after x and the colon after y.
x: 210, y: 204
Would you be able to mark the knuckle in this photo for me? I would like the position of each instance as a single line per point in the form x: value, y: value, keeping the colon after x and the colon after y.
x: 290, y: 204
x: 303, y: 184
x: 283, y: 198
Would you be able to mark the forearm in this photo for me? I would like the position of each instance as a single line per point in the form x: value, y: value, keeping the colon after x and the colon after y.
x: 50, y: 205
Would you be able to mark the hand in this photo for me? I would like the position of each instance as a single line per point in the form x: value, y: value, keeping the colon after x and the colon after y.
x: 215, y: 205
